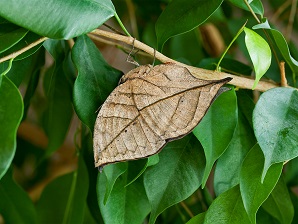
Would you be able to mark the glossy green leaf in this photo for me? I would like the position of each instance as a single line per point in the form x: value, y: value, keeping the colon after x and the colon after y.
x: 33, y: 80
x: 291, y: 176
x: 279, y: 203
x: 15, y: 205
x: 256, y: 5
x: 227, y: 208
x: 64, y: 199
x: 180, y: 50
x: 227, y: 171
x: 246, y: 104
x: 282, y: 45
x: 95, y: 81
x: 217, y: 128
x: 294, y: 199
x: 22, y: 68
x: 11, y: 112
x: 264, y: 217
x: 61, y: 19
x: 151, y: 161
x: 29, y: 38
x: 227, y: 65
x: 259, y: 52
x: 177, y: 175
x: 275, y: 121
x: 112, y: 172
x: 58, y: 89
x: 87, y: 152
x: 126, y: 204
x: 198, y: 219
x: 10, y: 35
x: 253, y: 191
x: 186, y: 15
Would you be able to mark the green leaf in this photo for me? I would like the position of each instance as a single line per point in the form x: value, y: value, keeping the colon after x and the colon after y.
x: 33, y: 80
x: 177, y: 175
x: 10, y: 35
x: 24, y: 42
x: 21, y: 69
x: 11, y: 112
x: 151, y: 161
x: 227, y: 171
x: 283, y: 47
x: 294, y: 199
x: 259, y: 52
x: 87, y: 151
x: 186, y: 14
x: 227, y: 208
x: 256, y: 6
x: 58, y: 18
x: 198, y: 219
x: 227, y: 64
x: 95, y: 81
x: 64, y: 199
x: 279, y: 203
x: 15, y: 205
x: 126, y: 204
x: 253, y: 191
x: 217, y: 128
x: 112, y: 172
x: 275, y: 121
x: 180, y: 50
x: 291, y: 177
x: 264, y: 217
x: 245, y: 104
x: 58, y: 89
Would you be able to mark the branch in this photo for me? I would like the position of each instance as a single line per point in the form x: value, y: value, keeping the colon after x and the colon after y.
x: 239, y: 81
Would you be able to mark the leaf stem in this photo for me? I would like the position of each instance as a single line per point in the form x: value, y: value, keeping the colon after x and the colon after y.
x: 121, y: 25
x: 238, y: 33
x: 8, y: 68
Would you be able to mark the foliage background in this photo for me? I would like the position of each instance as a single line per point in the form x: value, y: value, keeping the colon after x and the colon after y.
x: 50, y: 95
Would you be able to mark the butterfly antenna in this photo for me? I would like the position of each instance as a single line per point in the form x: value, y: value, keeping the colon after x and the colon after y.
x: 129, y: 58
x: 154, y: 56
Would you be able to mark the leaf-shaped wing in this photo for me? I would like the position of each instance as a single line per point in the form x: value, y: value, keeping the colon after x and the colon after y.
x: 152, y: 106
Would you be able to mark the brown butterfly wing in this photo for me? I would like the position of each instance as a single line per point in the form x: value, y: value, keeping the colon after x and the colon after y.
x: 151, y: 107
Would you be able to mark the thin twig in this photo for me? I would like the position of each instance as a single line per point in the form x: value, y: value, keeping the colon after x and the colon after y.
x: 17, y: 53
x: 132, y: 17
x: 280, y: 10
x: 252, y: 11
x: 70, y: 43
x: 188, y: 211
x: 113, y: 29
x: 241, y: 82
x: 283, y: 79
x: 291, y: 20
